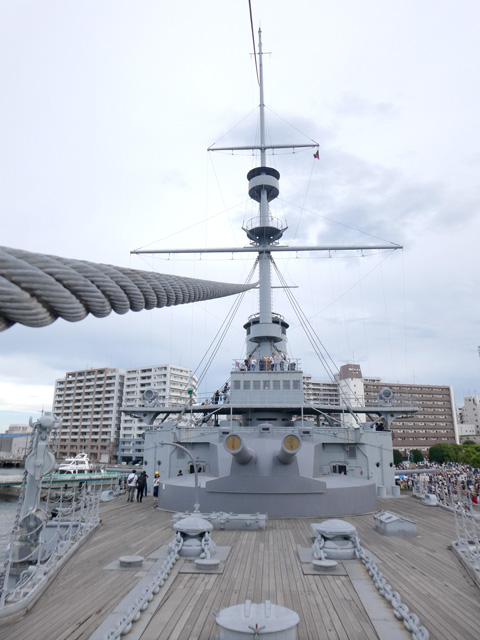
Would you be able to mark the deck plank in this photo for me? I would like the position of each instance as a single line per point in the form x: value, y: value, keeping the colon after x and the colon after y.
x: 261, y: 565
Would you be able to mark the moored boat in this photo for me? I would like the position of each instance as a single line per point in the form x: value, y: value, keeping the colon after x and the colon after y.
x: 78, y: 464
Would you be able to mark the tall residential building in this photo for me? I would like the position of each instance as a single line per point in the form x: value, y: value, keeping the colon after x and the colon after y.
x: 469, y: 419
x: 434, y: 422
x: 170, y: 384
x: 87, y: 404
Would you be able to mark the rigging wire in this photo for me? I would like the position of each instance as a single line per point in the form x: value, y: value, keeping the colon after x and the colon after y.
x: 341, y: 224
x: 253, y: 39
x: 326, y: 360
x: 221, y: 333
x: 315, y: 143
x: 302, y: 208
x: 195, y: 224
x: 315, y: 341
x: 212, y: 146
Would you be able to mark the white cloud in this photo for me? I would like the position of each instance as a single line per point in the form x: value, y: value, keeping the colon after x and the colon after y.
x: 106, y: 114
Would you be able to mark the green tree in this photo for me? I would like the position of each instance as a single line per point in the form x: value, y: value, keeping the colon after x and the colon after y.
x: 397, y: 457
x: 440, y: 453
x: 470, y: 454
x: 416, y: 455
x: 456, y: 452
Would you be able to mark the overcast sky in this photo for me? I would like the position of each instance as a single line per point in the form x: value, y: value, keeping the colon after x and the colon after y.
x: 108, y: 107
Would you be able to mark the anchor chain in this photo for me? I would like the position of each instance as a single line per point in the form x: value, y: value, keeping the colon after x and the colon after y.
x: 317, y: 548
x: 206, y: 543
x: 133, y: 614
x: 401, y: 611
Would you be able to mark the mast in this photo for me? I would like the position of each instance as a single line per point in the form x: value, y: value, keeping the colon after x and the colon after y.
x: 266, y: 330
x: 264, y: 257
x: 262, y: 102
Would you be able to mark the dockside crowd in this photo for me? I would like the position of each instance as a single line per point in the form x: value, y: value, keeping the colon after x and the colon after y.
x: 450, y: 479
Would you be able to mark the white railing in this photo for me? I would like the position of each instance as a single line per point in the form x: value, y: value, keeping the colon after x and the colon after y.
x: 39, y: 546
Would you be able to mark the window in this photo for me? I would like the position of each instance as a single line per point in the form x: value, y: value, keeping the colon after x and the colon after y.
x: 266, y: 385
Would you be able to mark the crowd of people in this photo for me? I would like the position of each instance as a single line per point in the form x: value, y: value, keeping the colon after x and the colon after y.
x: 276, y: 362
x: 448, y: 481
x: 221, y: 395
x: 136, y: 486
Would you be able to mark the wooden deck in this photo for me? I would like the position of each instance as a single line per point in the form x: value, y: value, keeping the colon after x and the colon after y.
x: 261, y: 565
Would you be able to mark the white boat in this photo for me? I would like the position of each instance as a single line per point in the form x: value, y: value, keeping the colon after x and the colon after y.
x: 79, y: 464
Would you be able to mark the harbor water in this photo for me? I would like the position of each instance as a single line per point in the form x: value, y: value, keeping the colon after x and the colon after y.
x: 8, y: 509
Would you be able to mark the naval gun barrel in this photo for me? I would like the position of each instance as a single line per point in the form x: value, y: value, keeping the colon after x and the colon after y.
x: 238, y: 449
x: 291, y: 445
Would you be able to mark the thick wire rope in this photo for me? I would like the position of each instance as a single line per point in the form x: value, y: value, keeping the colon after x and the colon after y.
x: 37, y: 289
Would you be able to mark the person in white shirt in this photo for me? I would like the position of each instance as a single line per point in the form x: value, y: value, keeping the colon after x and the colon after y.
x: 131, y: 485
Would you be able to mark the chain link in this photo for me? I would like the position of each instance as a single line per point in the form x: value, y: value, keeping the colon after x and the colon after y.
x: 401, y: 611
x: 206, y: 544
x: 141, y: 603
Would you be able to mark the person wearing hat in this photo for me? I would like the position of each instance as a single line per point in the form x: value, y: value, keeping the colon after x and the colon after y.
x: 156, y: 483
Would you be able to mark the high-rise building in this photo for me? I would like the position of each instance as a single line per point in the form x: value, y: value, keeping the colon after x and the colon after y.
x: 469, y: 419
x: 169, y: 384
x: 434, y: 422
x: 87, y: 405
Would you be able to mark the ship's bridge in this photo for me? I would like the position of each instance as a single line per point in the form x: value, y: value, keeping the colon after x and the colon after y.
x: 267, y: 388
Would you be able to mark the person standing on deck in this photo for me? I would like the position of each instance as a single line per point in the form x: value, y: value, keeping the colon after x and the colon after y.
x: 225, y: 392
x: 156, y: 484
x: 145, y: 488
x: 131, y: 485
x: 141, y: 485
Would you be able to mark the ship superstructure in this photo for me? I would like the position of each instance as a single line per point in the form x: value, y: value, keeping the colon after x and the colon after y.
x: 265, y: 448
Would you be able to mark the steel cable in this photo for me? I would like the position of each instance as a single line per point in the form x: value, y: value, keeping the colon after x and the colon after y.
x: 36, y: 289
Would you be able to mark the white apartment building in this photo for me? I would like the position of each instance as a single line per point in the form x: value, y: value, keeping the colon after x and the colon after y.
x: 469, y: 419
x: 87, y: 405
x: 325, y: 393
x: 170, y: 384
